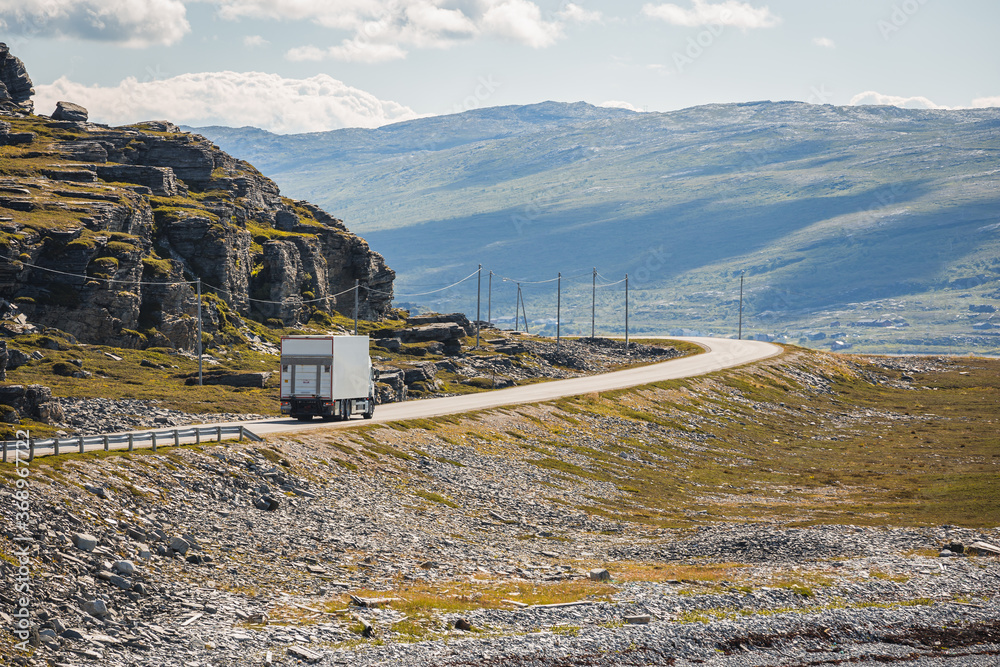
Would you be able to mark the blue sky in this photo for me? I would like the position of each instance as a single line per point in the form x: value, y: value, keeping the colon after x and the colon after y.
x: 310, y: 65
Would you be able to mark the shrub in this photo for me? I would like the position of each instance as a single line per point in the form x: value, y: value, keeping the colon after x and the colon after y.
x: 64, y: 369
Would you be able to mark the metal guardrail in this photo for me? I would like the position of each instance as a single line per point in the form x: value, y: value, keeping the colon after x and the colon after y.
x: 141, y: 439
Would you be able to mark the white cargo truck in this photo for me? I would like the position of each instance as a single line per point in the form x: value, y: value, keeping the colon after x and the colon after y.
x: 327, y: 376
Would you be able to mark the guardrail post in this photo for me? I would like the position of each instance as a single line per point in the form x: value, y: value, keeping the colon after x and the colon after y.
x: 153, y: 435
x: 197, y: 435
x: 31, y: 450
x: 131, y: 443
x: 177, y: 438
x: 55, y: 447
x: 106, y: 444
x: 241, y: 440
x: 218, y: 431
x: 81, y: 444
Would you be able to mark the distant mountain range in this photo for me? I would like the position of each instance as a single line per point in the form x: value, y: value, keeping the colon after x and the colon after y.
x: 878, y: 227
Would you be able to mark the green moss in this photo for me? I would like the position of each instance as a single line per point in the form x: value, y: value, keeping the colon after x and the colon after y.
x: 154, y: 266
x: 435, y: 498
x: 83, y: 243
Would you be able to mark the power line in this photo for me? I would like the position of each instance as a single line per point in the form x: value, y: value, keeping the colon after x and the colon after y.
x: 426, y: 293
x: 107, y: 280
x: 331, y: 296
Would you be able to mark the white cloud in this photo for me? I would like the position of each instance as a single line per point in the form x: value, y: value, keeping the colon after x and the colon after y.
x: 825, y: 42
x: 576, y: 13
x: 982, y: 102
x: 618, y: 104
x: 350, y: 50
x: 870, y: 97
x: 381, y: 30
x: 520, y: 21
x: 304, y: 53
x: 263, y: 100
x: 254, y: 41
x: 133, y: 23
x: 729, y: 13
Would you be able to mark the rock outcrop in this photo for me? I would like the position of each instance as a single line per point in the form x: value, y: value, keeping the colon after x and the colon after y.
x: 106, y: 240
x: 15, y: 84
x: 34, y: 401
x: 105, y: 233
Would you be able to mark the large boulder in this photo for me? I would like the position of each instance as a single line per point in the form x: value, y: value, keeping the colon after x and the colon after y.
x: 70, y: 111
x: 441, y: 331
x: 434, y: 318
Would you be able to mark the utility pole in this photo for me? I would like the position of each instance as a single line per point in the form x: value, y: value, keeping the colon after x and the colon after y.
x: 740, y: 334
x: 479, y: 294
x: 199, y: 332
x: 517, y: 307
x: 520, y: 297
x: 626, y: 313
x: 558, y: 307
x: 355, y: 306
x: 593, y: 304
x: 489, y: 301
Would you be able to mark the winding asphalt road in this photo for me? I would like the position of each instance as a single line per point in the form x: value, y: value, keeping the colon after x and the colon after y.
x: 720, y: 353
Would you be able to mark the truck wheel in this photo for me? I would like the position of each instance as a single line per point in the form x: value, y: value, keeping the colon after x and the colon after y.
x: 370, y: 412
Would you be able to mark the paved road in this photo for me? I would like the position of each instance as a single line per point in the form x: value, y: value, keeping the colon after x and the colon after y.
x: 720, y: 353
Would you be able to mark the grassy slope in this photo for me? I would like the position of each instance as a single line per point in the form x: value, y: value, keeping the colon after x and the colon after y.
x: 804, y: 438
x: 824, y: 207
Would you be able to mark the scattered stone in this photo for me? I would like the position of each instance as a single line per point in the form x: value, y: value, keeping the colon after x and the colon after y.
x: 463, y: 625
x: 179, y: 544
x: 599, y: 574
x: 267, y: 503
x: 641, y: 619
x: 979, y: 548
x: 304, y: 654
x: 96, y: 608
x: 126, y: 568
x: 84, y: 541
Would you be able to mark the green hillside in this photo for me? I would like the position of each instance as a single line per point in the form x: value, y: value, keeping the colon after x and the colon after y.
x: 875, y: 226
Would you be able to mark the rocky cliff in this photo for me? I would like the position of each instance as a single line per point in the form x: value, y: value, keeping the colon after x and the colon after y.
x: 15, y: 84
x: 100, y: 228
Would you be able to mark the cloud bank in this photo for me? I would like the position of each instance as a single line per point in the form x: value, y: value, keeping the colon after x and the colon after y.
x: 870, y: 97
x: 267, y: 101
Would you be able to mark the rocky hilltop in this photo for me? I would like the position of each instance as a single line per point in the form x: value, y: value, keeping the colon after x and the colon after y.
x: 103, y: 232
